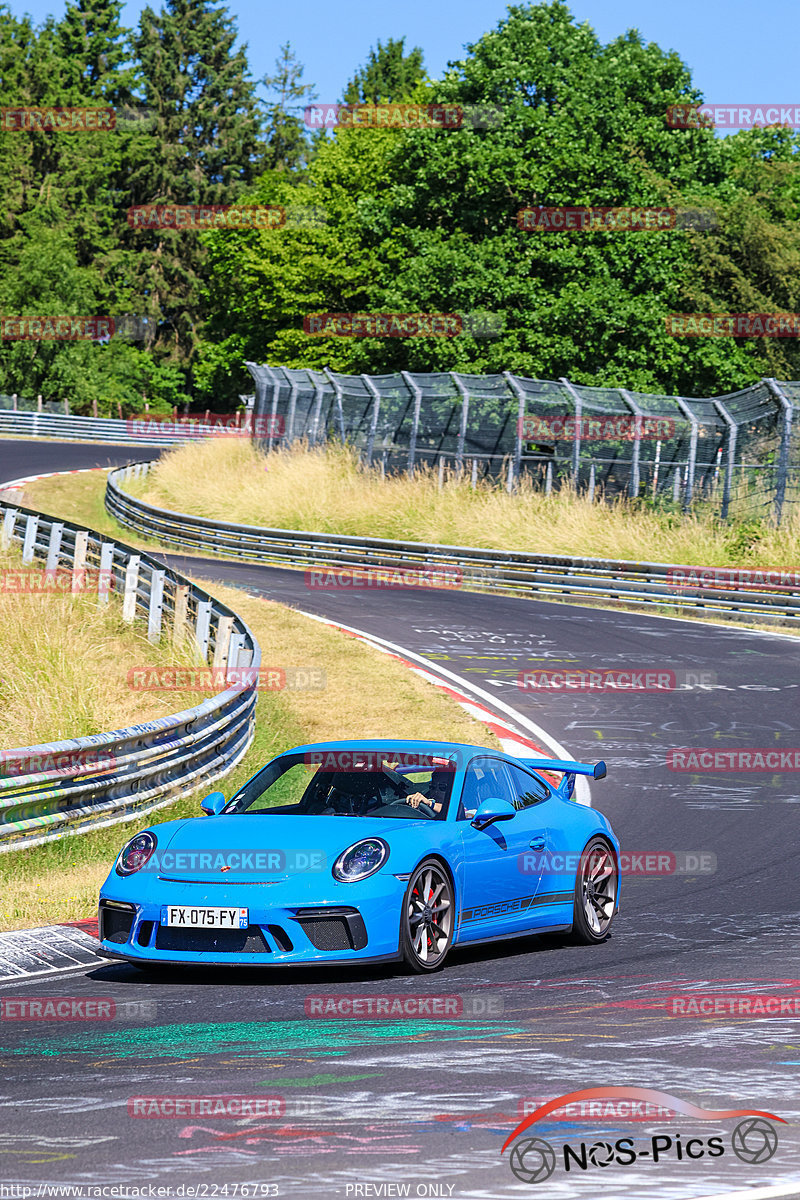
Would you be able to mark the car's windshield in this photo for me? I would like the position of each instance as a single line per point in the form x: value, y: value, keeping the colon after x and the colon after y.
x: 350, y: 783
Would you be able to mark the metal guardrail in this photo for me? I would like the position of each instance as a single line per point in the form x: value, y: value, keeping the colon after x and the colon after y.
x: 512, y: 572
x: 134, y: 432
x: 70, y: 786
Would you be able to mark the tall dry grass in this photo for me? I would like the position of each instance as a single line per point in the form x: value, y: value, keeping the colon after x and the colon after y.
x: 64, y: 663
x: 327, y: 490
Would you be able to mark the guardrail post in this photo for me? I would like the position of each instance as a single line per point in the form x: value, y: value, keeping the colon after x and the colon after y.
x: 637, y: 439
x: 462, y: 429
x: 54, y: 545
x: 590, y: 492
x: 156, y: 606
x: 181, y: 613
x: 202, y: 631
x: 234, y: 649
x: 731, y: 456
x: 79, y: 559
x: 29, y: 544
x: 376, y: 408
x: 548, y: 479
x: 576, y: 444
x: 690, y: 466
x: 131, y: 588
x: 222, y: 641
x: 783, y: 456
x: 105, y: 578
x: 9, y: 521
x: 416, y: 392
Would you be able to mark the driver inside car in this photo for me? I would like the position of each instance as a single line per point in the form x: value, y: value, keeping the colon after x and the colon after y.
x: 436, y: 792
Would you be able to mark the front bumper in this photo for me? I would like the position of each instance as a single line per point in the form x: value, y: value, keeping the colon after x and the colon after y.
x: 289, y: 924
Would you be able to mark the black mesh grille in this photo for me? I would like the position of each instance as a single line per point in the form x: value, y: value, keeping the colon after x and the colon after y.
x: 328, y: 933
x: 115, y: 924
x: 220, y: 941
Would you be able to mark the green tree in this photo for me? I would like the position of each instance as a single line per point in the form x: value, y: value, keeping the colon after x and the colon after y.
x: 389, y: 74
x: 287, y: 146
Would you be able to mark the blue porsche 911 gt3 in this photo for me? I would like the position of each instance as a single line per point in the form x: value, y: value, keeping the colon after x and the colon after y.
x: 369, y: 851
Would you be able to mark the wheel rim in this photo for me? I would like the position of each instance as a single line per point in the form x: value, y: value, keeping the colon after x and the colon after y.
x: 429, y: 914
x: 599, y: 888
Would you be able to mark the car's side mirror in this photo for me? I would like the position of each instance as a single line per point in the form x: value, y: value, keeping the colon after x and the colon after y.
x: 213, y: 804
x: 491, y: 810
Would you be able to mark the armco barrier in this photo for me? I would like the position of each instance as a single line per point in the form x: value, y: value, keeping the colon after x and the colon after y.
x: 112, y: 777
x: 517, y: 573
x: 105, y: 429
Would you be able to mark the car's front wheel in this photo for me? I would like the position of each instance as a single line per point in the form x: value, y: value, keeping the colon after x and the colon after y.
x: 427, y: 919
x: 595, y: 893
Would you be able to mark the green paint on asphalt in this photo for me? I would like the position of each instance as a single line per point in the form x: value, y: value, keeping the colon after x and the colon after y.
x: 315, y: 1080
x: 322, y: 1038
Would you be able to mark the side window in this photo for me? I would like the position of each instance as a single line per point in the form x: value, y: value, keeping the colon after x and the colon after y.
x: 485, y: 779
x: 528, y: 789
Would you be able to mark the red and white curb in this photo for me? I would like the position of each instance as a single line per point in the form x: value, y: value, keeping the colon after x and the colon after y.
x: 515, y: 732
x: 18, y: 484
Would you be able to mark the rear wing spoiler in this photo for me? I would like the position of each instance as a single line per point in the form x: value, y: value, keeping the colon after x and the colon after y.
x: 570, y: 770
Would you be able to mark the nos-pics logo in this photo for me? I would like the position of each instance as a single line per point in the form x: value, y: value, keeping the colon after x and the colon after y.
x: 754, y: 1140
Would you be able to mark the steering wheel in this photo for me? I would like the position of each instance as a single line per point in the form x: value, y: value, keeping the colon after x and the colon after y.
x: 426, y: 808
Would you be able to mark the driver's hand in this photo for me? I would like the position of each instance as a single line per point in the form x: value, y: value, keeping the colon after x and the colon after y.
x: 416, y: 798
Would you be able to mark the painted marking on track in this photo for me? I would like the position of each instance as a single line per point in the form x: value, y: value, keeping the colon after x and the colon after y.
x: 411, y: 659
x: 763, y: 1193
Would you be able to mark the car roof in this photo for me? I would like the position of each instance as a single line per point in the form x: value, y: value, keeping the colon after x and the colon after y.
x: 439, y: 748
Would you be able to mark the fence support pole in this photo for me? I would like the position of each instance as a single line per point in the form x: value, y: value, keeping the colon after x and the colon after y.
x: 574, y: 395
x: 416, y: 392
x: 688, y: 491
x: 786, y: 438
x: 730, y: 458
x: 520, y: 394
x: 637, y: 439
x: 337, y: 387
x: 376, y: 408
x: 462, y: 429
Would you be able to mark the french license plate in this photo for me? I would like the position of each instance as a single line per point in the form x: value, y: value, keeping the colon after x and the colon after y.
x: 193, y: 917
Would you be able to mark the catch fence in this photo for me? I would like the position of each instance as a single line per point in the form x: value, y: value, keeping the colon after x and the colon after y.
x: 740, y: 451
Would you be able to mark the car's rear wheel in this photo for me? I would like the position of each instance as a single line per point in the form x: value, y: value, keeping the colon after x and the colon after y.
x: 426, y: 922
x: 595, y: 893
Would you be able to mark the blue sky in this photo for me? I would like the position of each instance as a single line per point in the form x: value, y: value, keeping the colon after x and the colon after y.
x: 737, y: 51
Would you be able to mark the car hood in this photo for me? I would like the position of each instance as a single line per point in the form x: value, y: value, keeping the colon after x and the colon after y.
x: 264, y: 846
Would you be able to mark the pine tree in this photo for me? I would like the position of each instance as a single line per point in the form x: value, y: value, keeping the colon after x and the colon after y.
x: 388, y: 75
x: 287, y: 147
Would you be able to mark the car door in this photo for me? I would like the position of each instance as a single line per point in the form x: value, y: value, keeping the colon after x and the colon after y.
x: 549, y: 854
x: 497, y: 892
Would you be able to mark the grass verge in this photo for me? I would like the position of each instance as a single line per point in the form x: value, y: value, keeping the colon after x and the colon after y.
x: 366, y: 694
x: 327, y: 490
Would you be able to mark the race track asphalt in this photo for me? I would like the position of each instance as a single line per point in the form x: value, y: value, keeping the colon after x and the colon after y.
x: 374, y: 1107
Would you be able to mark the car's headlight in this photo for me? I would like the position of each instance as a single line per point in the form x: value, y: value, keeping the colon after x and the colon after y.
x: 136, y: 853
x: 360, y: 860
